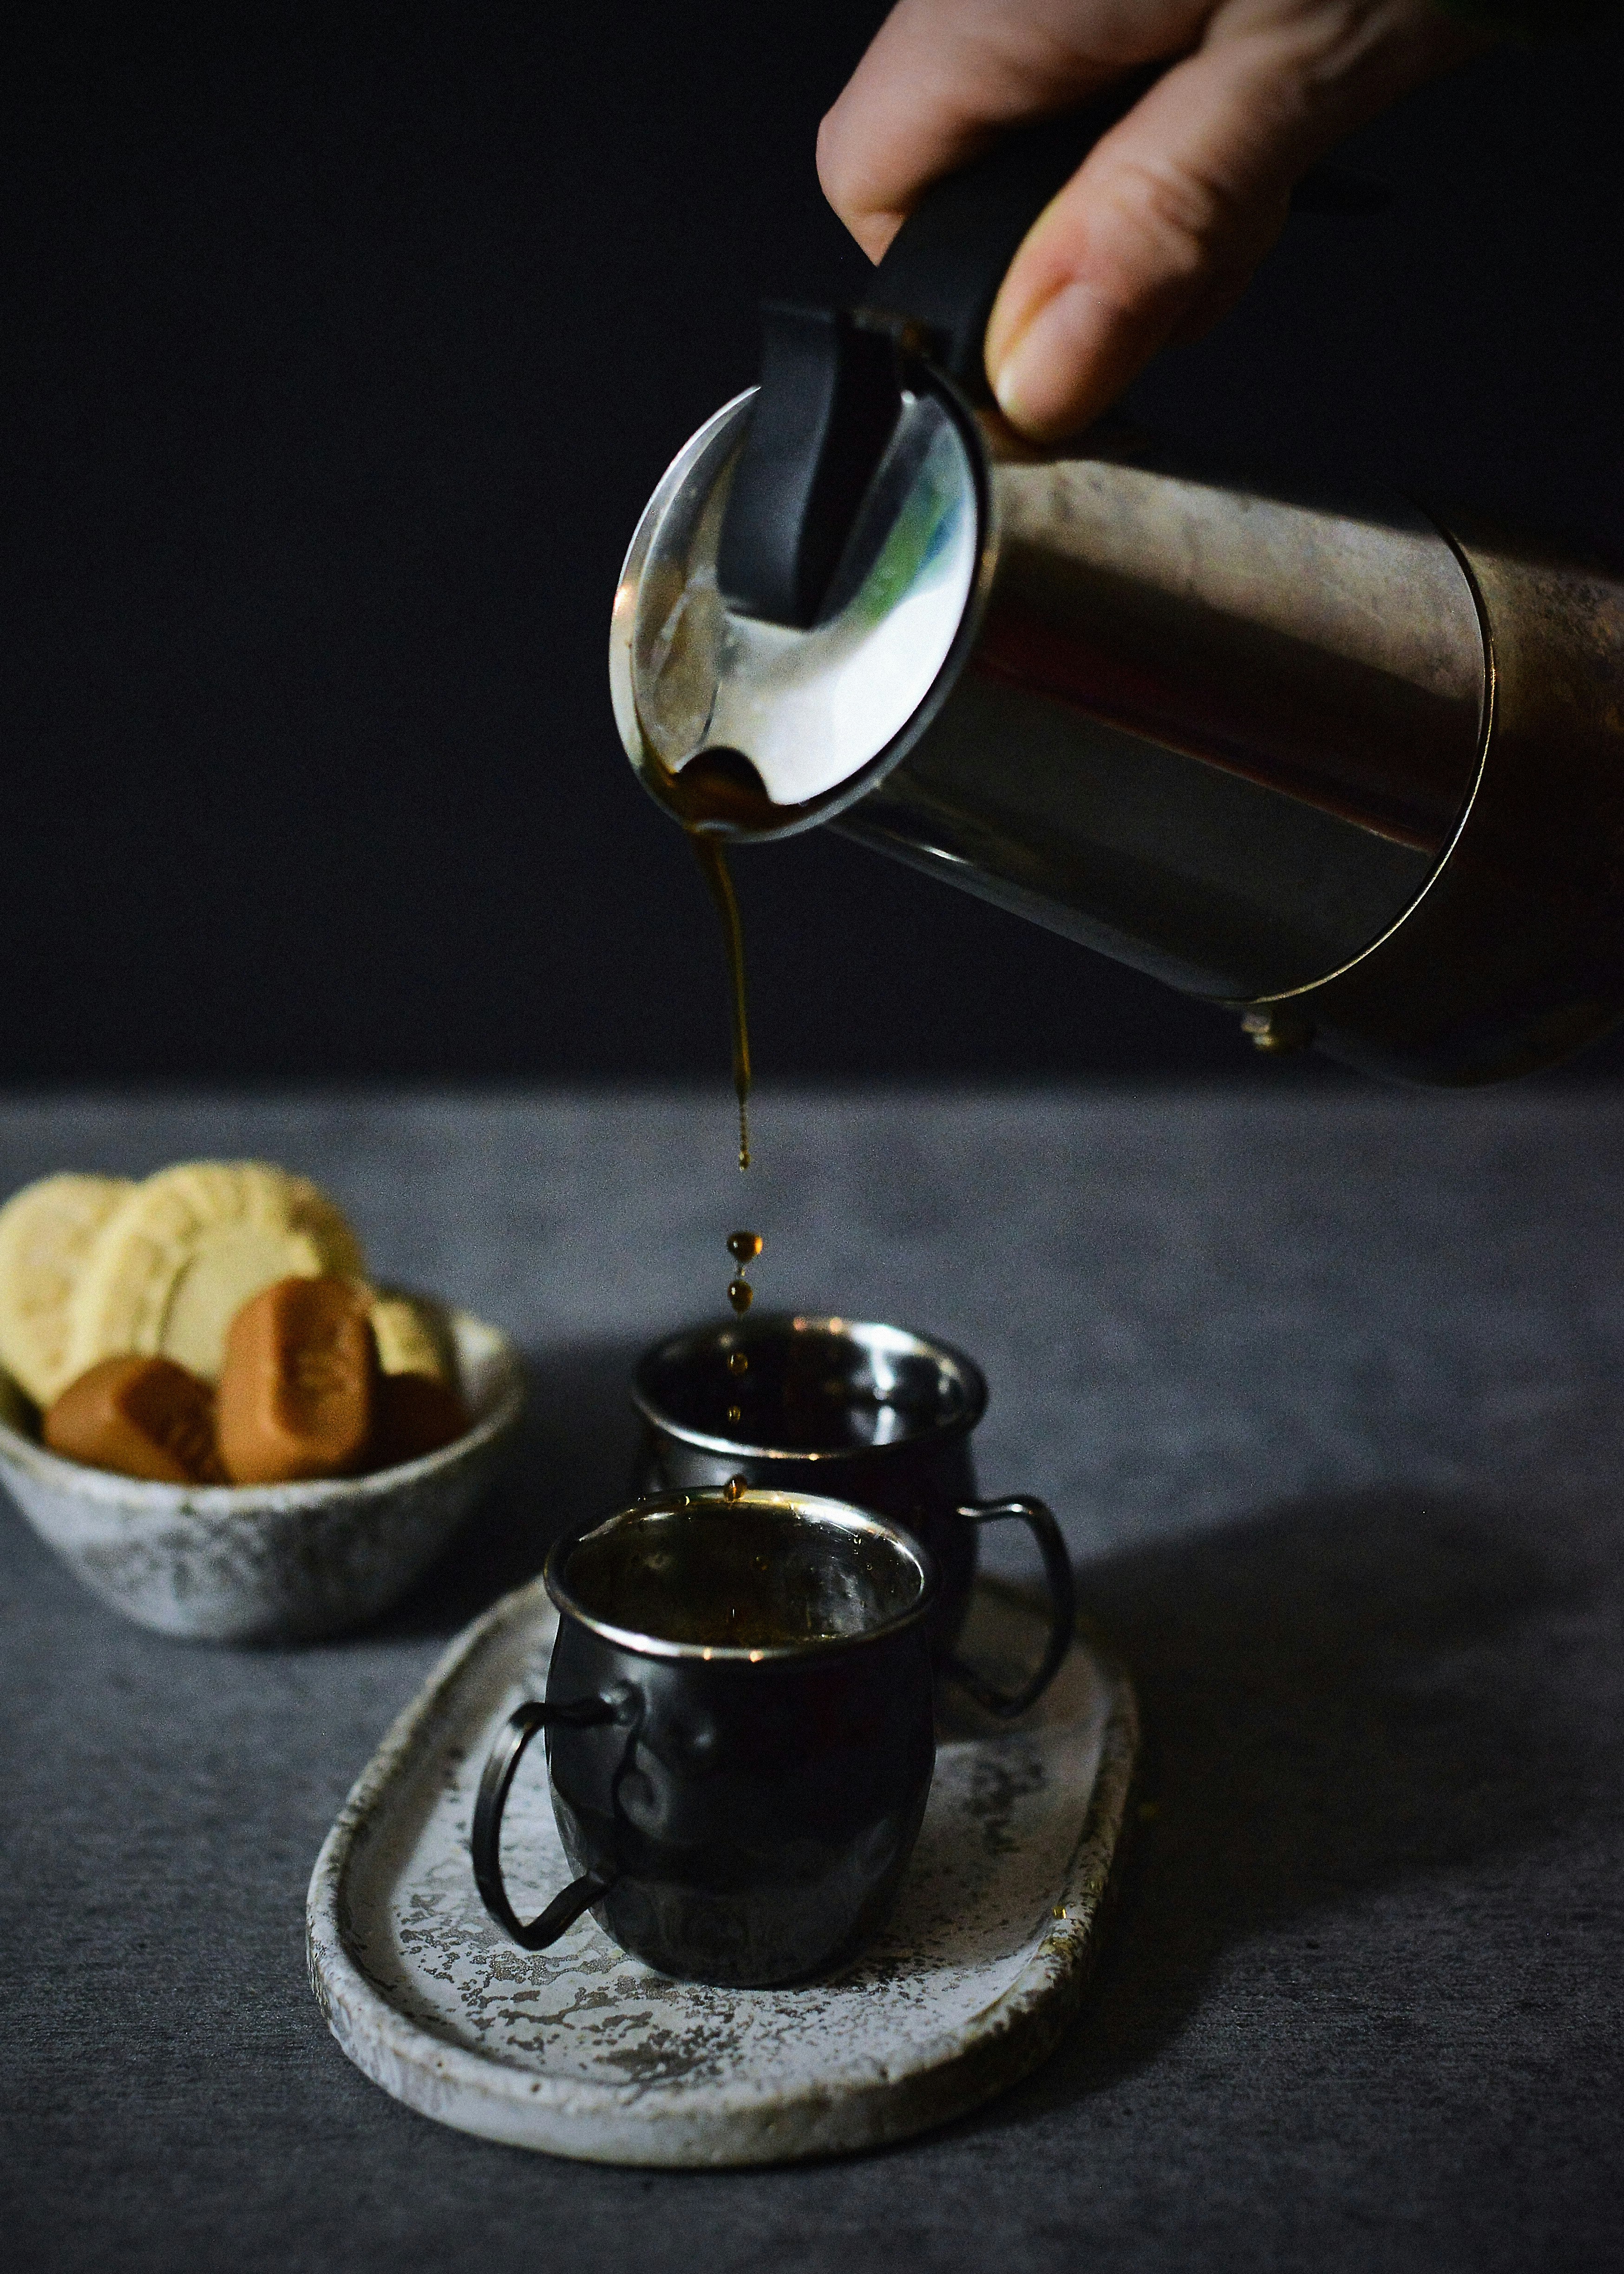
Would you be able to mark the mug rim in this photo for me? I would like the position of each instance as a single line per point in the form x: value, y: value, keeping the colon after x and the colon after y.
x: 844, y: 1514
x: 905, y: 1340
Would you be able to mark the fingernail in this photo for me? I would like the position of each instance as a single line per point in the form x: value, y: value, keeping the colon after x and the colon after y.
x: 1049, y: 378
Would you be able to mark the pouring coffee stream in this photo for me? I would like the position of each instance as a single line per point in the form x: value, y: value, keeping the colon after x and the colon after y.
x: 1349, y: 769
x: 712, y: 860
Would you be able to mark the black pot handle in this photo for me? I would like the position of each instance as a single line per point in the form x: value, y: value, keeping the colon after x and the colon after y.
x: 506, y: 1754
x: 943, y: 268
x: 1062, y: 1604
x: 946, y: 264
x: 830, y: 379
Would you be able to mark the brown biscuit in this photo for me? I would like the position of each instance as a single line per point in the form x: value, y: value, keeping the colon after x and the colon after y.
x: 297, y: 1387
x: 141, y: 1417
x: 413, y: 1414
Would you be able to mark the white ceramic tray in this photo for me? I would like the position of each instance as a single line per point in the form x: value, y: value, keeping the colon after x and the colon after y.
x: 582, y: 2051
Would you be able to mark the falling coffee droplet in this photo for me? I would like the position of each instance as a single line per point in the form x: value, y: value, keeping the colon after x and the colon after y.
x: 737, y: 1363
x: 744, y: 1247
x: 733, y: 1489
x: 735, y: 1412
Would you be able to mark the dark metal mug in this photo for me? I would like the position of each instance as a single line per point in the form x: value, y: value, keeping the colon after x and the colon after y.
x: 740, y: 1730
x: 876, y: 1414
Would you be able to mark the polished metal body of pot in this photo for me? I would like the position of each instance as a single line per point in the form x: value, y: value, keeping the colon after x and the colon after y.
x: 1352, y: 772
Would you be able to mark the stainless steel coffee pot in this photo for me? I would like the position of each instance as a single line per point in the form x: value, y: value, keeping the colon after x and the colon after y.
x: 1355, y: 771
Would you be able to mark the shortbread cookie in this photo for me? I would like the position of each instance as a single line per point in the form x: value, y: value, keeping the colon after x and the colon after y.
x: 409, y: 1338
x: 180, y: 1256
x: 46, y: 1234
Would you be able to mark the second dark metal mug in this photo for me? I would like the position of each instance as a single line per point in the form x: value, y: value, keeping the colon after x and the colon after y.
x: 740, y: 1730
x: 873, y: 1414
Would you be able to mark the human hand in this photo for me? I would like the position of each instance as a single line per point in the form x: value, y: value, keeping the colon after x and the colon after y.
x: 1158, y: 232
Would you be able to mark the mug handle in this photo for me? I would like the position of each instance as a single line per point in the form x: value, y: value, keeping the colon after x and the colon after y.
x: 1061, y: 1587
x: 500, y: 1771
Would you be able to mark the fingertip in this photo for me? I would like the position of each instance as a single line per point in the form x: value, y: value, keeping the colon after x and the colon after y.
x: 1064, y: 366
x: 842, y: 186
x: 829, y: 156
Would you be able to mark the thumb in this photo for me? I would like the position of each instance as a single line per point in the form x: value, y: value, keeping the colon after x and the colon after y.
x: 1156, y: 234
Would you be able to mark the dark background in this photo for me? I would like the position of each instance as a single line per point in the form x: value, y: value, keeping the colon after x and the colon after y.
x: 342, y: 347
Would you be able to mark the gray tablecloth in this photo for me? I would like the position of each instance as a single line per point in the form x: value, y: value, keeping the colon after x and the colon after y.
x: 1326, y: 1387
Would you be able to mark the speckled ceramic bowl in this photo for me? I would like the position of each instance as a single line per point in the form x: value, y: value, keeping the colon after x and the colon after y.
x: 257, y: 1563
